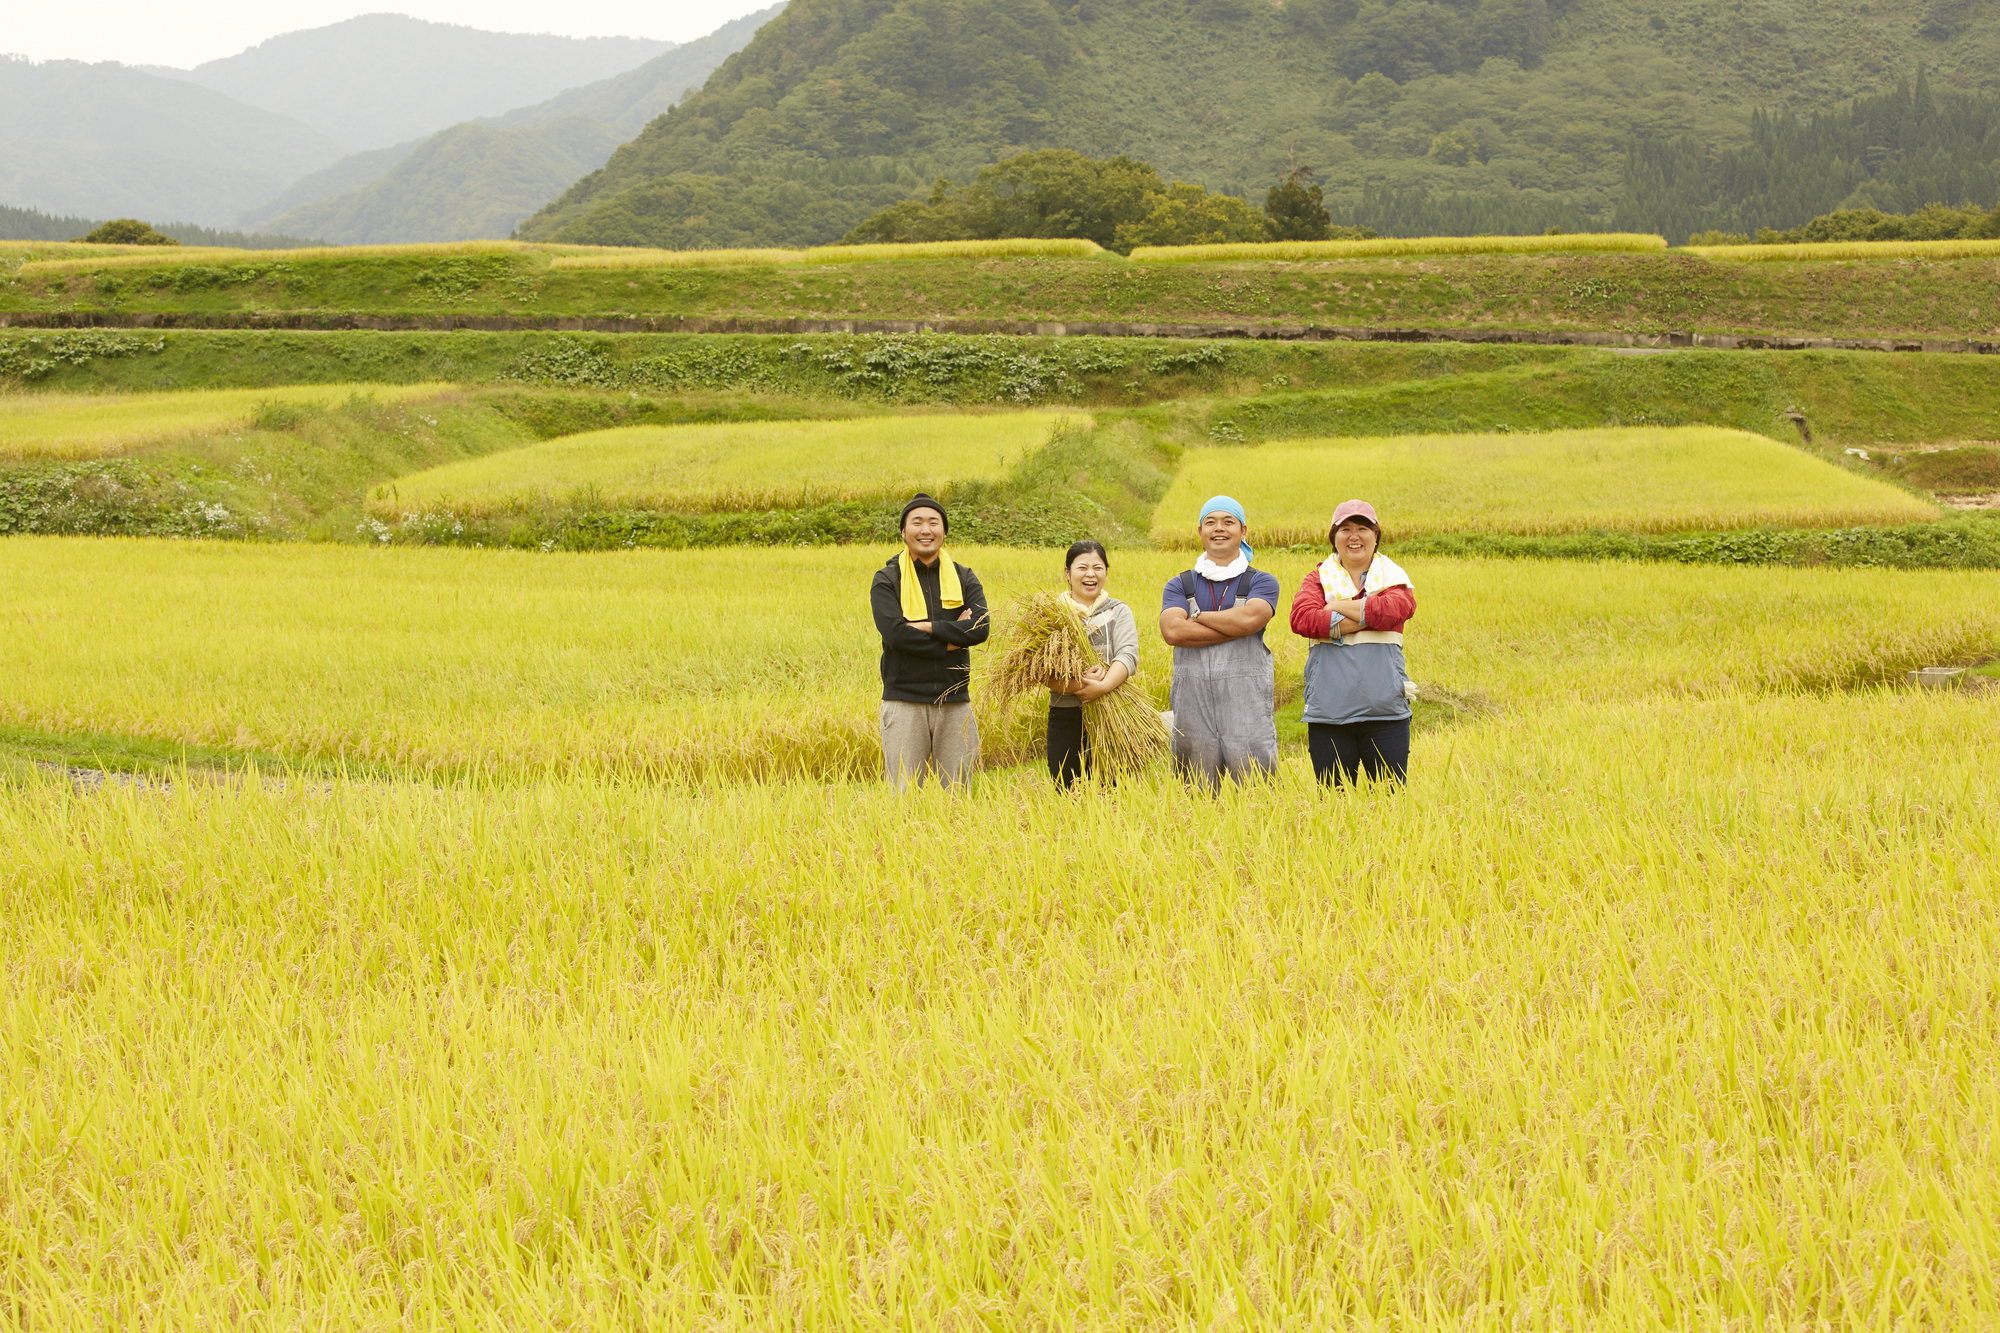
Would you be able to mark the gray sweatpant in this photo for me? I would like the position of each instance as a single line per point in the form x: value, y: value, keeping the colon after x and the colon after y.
x: 941, y: 739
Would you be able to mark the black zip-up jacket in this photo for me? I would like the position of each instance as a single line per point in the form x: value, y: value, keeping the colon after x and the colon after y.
x: 934, y: 668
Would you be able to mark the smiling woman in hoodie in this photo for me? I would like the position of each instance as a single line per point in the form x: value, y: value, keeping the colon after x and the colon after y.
x: 1353, y: 608
x: 1114, y: 633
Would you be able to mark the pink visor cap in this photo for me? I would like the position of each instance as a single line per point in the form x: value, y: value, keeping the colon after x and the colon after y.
x: 1356, y: 509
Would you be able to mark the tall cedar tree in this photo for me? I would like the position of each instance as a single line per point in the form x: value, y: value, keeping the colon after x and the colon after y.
x: 1294, y: 210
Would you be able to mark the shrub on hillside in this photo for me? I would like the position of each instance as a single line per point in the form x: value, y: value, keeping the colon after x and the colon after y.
x: 1935, y: 223
x: 127, y: 231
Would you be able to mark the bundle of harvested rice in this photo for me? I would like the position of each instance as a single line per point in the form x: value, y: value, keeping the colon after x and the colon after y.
x: 1045, y: 648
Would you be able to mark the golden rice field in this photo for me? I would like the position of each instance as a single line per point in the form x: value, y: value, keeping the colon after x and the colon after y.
x: 1008, y: 248
x: 79, y: 258
x: 1955, y: 249
x: 100, y: 258
x: 1395, y: 245
x: 86, y: 425
x: 761, y: 663
x: 1665, y: 997
x: 1624, y: 479
x: 741, y: 465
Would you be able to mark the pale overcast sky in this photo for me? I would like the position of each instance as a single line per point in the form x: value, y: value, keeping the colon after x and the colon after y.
x: 145, y: 32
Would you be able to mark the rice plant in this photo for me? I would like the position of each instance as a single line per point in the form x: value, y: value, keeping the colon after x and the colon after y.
x: 1304, y: 251
x: 1005, y: 248
x: 737, y: 466
x: 171, y: 256
x: 81, y: 425
x: 1659, y: 1013
x: 761, y: 663
x: 1833, y: 250
x: 1043, y: 646
x: 643, y: 259
x: 836, y: 254
x: 1624, y: 479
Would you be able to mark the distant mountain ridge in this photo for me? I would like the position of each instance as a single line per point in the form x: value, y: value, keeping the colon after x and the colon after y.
x: 384, y: 79
x: 106, y: 140
x: 173, y: 145
x: 481, y: 178
x: 469, y: 182
x: 1525, y: 109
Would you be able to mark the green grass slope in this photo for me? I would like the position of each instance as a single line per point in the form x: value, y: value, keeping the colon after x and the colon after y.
x: 837, y: 108
x: 1891, y: 298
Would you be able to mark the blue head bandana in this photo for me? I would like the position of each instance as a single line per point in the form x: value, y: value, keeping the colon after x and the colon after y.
x: 1224, y: 504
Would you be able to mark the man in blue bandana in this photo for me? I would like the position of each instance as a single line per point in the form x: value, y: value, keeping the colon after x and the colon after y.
x: 1224, y: 686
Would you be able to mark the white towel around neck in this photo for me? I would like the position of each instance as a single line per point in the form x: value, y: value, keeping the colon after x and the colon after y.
x: 1215, y: 573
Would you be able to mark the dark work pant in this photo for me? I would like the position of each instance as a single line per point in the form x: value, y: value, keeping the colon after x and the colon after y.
x: 1340, y: 751
x: 1065, y: 744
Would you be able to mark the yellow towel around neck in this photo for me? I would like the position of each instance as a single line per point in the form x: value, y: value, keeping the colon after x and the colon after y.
x: 949, y: 591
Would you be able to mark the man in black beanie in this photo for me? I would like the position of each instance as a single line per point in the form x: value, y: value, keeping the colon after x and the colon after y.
x: 930, y: 613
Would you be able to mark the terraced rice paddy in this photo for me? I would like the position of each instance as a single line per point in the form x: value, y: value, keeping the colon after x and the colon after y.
x: 751, y: 465
x: 1010, y: 248
x: 531, y: 943
x: 1825, y: 250
x: 1306, y: 251
x: 1630, y: 479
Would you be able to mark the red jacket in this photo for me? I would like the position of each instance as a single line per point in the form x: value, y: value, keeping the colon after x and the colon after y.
x: 1388, y: 610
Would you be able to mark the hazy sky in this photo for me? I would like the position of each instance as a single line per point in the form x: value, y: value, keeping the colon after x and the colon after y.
x: 145, y: 32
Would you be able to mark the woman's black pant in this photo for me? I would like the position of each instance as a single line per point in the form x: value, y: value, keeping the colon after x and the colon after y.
x: 1065, y: 744
x: 1340, y: 751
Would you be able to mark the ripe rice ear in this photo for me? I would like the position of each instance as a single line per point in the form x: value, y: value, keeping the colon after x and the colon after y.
x: 1122, y: 733
x: 1045, y: 647
x: 1396, y: 245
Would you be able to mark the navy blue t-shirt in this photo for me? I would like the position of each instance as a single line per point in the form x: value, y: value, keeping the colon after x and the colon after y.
x: 1210, y: 595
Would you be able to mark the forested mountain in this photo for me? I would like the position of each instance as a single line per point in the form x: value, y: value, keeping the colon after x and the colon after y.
x: 1896, y: 152
x: 384, y: 79
x: 1418, y: 115
x: 350, y: 173
x: 480, y: 179
x: 108, y: 141
x: 627, y: 101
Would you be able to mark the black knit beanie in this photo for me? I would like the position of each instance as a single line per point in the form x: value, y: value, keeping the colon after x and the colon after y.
x: 922, y: 501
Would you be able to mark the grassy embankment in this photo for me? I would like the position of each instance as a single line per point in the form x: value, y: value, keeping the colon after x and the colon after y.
x: 1675, y: 291
x: 305, y: 470
x: 1668, y: 947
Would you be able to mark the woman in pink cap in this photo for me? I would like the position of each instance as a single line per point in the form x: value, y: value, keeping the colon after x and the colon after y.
x: 1353, y: 608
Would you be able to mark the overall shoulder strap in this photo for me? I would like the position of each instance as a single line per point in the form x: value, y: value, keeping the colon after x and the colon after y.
x: 1243, y: 585
x: 1187, y: 584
